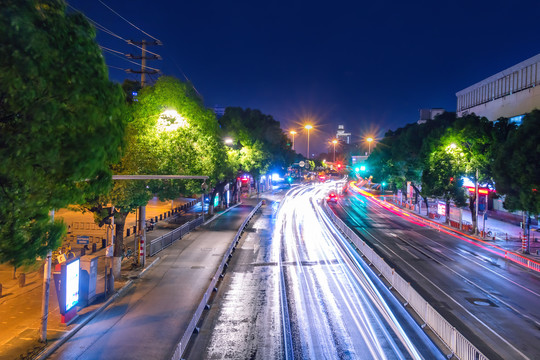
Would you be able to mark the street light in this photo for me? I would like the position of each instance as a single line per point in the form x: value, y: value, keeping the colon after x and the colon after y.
x: 293, y: 133
x: 369, y: 140
x: 334, y: 142
x: 228, y: 141
x: 170, y: 120
x: 308, y: 127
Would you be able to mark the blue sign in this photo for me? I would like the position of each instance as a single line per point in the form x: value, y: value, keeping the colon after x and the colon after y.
x: 83, y: 239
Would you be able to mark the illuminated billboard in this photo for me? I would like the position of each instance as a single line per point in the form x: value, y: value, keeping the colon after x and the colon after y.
x: 72, y: 285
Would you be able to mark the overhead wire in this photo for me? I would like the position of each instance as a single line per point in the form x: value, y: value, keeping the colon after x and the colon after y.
x: 110, y: 32
x: 116, y: 67
x: 130, y: 23
x: 111, y: 50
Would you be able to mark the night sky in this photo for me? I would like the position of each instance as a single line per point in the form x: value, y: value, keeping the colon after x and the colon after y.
x: 368, y: 65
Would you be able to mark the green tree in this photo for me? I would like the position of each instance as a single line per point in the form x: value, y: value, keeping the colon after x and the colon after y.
x: 170, y: 133
x: 253, y: 129
x: 441, y: 177
x: 472, y: 140
x: 516, y: 173
x: 402, y: 154
x: 60, y: 123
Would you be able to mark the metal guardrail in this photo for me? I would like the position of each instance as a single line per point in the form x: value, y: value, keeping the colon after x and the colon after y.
x: 166, y: 240
x: 456, y: 342
x: 181, y: 347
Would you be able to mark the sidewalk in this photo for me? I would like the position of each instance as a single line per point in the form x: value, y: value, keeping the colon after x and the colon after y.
x: 505, y: 235
x: 20, y: 307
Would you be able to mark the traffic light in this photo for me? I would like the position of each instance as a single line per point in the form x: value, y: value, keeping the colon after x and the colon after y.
x: 339, y: 166
x: 356, y: 169
x: 362, y: 168
x: 289, y: 179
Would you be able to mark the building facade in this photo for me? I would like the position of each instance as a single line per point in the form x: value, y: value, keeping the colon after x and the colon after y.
x: 510, y: 93
x: 343, y: 136
x: 429, y: 114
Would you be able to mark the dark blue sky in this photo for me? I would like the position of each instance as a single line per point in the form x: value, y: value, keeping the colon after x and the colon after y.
x: 368, y: 65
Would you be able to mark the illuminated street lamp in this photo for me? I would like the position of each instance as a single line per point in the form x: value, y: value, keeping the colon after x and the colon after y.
x: 293, y: 133
x: 308, y: 127
x: 369, y: 140
x: 170, y: 120
x: 334, y: 142
x: 228, y: 141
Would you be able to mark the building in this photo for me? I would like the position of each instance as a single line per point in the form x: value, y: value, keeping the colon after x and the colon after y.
x: 343, y: 136
x: 219, y: 111
x: 429, y: 114
x: 510, y: 93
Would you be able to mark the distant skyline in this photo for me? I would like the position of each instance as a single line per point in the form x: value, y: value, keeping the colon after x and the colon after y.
x: 370, y: 66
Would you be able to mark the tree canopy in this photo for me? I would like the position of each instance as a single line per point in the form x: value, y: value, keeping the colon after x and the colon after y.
x: 262, y: 142
x: 61, y: 122
x: 516, y: 170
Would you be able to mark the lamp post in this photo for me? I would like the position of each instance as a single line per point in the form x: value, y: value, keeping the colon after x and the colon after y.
x: 369, y: 140
x: 293, y: 133
x: 334, y: 142
x: 308, y: 127
x: 228, y: 141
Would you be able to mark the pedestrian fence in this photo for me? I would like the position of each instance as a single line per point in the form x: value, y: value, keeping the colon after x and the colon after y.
x: 449, y: 335
x: 166, y: 240
x: 192, y: 327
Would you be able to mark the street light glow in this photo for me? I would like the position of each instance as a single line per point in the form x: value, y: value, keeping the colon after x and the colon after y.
x: 170, y: 120
x: 293, y: 133
x: 369, y: 140
x: 308, y: 127
x: 228, y: 141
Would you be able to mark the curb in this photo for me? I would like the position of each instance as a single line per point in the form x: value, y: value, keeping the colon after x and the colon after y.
x: 54, y: 346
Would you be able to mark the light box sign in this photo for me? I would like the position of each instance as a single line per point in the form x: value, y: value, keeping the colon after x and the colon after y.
x: 441, y: 209
x: 72, y: 284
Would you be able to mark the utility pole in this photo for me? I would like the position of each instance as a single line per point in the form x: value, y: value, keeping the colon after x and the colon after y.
x: 143, y: 57
x: 46, y: 291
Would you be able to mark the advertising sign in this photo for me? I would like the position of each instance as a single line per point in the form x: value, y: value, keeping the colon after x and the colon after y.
x: 441, y: 209
x: 72, y: 284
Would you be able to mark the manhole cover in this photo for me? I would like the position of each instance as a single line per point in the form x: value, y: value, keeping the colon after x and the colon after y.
x: 481, y: 302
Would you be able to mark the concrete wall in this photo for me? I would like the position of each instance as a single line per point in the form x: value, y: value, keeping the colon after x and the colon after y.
x: 507, y: 106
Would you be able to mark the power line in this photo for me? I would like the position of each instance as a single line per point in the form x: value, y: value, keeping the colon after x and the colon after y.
x: 130, y: 23
x: 111, y: 50
x: 133, y: 62
x: 110, y: 32
x: 116, y: 67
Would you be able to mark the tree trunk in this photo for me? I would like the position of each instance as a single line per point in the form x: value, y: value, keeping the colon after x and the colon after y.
x: 447, y: 212
x: 472, y: 207
x: 119, y: 221
x: 427, y: 206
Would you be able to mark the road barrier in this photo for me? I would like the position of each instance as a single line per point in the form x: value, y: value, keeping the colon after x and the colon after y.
x: 452, y: 338
x: 166, y: 240
x: 192, y: 327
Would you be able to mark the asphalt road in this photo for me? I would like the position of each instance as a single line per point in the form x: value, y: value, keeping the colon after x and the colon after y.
x: 492, y: 302
x: 149, y: 320
x: 296, y: 289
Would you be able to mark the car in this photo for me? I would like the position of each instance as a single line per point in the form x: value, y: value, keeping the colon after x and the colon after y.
x: 332, y: 197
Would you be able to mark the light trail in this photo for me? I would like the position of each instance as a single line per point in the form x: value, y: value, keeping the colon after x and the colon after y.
x: 420, y: 221
x: 335, y: 309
